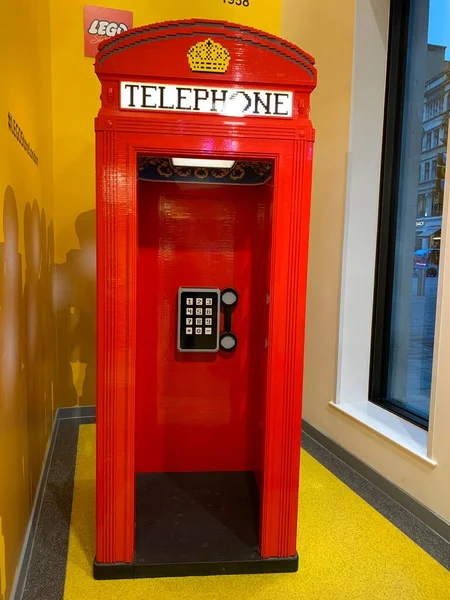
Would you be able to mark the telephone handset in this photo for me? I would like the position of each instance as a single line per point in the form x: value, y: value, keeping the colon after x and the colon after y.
x: 228, y: 340
x: 199, y: 322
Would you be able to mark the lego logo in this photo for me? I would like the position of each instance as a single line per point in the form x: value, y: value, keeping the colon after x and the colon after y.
x: 106, y: 28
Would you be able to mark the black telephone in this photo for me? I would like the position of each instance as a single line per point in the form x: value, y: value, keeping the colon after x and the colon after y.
x: 199, y: 322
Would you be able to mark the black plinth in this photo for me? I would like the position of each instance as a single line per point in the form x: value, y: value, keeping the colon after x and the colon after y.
x: 196, y: 524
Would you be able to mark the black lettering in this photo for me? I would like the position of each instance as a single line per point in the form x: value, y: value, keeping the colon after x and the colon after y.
x: 198, y: 97
x: 215, y: 99
x: 17, y: 132
x: 162, y: 89
x: 249, y: 100
x: 131, y: 86
x: 277, y: 103
x: 146, y: 94
x: 180, y: 97
x: 259, y: 100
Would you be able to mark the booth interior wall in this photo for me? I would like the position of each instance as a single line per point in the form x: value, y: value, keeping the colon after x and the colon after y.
x: 201, y: 412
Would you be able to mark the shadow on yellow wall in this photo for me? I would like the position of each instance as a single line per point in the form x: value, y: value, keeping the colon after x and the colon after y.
x: 47, y: 350
x: 75, y: 291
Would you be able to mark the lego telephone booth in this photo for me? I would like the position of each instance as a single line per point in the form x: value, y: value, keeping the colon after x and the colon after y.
x: 204, y: 159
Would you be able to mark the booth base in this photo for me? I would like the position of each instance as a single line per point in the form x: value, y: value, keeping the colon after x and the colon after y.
x: 196, y: 524
x: 135, y: 571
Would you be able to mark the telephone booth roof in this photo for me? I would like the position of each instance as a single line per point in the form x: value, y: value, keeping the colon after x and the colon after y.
x: 210, y: 53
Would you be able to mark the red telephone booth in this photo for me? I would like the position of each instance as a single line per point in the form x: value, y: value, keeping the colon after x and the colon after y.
x: 204, y: 158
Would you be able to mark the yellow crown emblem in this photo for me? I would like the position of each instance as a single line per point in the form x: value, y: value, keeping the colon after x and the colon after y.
x: 209, y: 57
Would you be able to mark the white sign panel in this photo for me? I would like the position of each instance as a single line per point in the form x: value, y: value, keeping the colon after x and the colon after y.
x: 233, y: 102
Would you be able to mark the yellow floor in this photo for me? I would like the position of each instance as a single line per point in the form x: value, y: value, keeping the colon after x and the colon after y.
x: 347, y: 551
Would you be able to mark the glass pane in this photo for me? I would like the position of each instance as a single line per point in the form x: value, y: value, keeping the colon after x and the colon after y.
x: 419, y: 217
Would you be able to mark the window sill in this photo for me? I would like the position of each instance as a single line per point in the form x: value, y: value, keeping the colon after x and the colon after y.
x: 411, y: 438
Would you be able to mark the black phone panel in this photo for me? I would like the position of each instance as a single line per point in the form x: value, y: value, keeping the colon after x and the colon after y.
x: 198, y: 319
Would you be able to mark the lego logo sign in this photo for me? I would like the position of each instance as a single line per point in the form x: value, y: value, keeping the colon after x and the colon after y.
x: 103, y: 23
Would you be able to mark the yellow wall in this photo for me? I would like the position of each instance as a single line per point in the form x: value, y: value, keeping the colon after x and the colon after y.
x: 27, y: 333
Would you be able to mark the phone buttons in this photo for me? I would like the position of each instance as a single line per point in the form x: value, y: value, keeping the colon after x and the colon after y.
x: 198, y: 322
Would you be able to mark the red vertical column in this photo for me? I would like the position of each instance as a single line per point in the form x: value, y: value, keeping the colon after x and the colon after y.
x: 285, y: 352
x: 116, y: 331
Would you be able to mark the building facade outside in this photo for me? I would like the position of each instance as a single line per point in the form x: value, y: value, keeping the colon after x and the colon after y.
x: 436, y: 107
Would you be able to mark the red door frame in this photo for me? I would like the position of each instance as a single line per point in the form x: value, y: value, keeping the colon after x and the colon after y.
x: 120, y: 137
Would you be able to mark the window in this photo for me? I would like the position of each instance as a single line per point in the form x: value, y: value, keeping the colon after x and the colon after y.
x: 409, y: 235
x: 435, y: 138
x: 421, y: 205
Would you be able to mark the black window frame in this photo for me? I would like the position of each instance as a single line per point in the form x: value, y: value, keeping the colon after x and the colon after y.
x: 387, y: 214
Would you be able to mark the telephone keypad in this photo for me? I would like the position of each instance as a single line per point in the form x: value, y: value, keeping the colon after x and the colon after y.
x: 204, y: 336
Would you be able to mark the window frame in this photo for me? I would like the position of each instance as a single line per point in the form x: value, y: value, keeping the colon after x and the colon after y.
x: 436, y: 137
x: 387, y: 213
